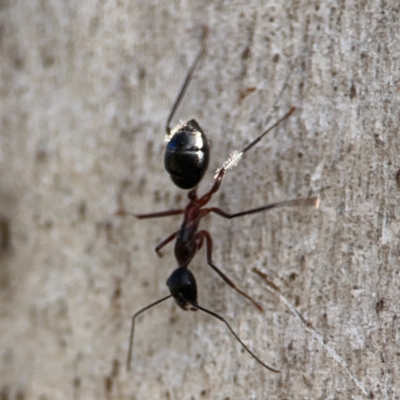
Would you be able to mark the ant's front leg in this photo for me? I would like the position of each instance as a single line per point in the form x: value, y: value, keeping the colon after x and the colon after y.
x: 165, y: 242
x: 205, y: 234
x: 186, y: 81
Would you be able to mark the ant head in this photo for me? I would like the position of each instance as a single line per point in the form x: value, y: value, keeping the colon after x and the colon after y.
x: 183, y: 288
x: 187, y: 155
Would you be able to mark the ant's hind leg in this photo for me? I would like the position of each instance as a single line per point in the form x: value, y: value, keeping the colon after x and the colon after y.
x: 204, y: 234
x: 187, y: 81
x: 234, y: 158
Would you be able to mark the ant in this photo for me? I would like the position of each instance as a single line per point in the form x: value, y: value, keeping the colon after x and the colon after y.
x: 186, y: 160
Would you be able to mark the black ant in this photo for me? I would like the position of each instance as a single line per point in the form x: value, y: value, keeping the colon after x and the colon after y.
x: 186, y: 160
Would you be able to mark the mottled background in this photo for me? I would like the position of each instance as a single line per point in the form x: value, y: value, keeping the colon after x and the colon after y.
x: 85, y: 89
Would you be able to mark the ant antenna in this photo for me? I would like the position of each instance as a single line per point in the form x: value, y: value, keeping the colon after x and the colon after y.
x: 186, y: 82
x: 234, y: 334
x: 195, y: 307
x: 128, y: 363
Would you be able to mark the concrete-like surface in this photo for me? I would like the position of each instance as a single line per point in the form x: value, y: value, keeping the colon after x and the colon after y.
x: 85, y: 88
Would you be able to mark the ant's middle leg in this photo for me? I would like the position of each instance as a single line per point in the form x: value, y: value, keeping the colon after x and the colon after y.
x: 204, y: 234
x: 121, y: 212
x: 310, y: 201
x: 168, y: 213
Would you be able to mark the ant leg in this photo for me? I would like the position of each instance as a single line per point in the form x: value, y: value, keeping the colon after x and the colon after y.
x: 234, y: 159
x: 165, y: 242
x: 167, y: 213
x: 186, y: 82
x: 199, y: 241
x: 128, y: 363
x: 121, y: 212
x: 215, y: 315
x: 310, y: 201
x: 209, y: 244
x: 266, y: 279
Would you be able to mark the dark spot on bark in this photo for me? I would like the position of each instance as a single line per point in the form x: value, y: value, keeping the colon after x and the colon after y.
x: 5, y: 234
x: 145, y: 284
x: 41, y: 154
x: 117, y: 291
x: 142, y: 73
x: 4, y: 4
x: 19, y: 63
x: 20, y: 395
x: 353, y: 91
x: 380, y: 305
x: 4, y: 393
x: 77, y: 383
x: 115, y: 368
x: 108, y: 384
x: 398, y: 179
x: 246, y: 53
x: 48, y: 60
x: 82, y: 209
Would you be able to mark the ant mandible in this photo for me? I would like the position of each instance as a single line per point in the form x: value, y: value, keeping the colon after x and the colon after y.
x: 186, y: 160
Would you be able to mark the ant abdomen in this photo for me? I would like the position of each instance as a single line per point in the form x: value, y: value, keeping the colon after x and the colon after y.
x: 187, y: 155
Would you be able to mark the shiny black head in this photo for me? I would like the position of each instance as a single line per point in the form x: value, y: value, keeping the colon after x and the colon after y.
x: 187, y: 155
x: 183, y: 288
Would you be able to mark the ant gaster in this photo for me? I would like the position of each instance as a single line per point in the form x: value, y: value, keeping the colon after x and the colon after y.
x: 186, y: 160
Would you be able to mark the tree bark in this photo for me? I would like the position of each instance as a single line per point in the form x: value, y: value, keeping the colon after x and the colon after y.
x: 86, y: 88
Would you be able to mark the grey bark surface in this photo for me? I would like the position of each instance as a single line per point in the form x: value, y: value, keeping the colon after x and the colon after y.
x: 86, y: 87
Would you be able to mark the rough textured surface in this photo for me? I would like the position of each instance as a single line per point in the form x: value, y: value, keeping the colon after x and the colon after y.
x: 85, y: 88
